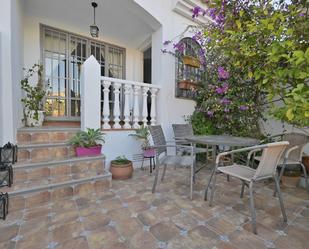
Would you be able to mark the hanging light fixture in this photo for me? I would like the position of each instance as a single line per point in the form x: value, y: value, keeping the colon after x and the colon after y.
x: 94, y: 30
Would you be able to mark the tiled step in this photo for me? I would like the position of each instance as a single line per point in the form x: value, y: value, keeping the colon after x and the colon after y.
x: 33, y: 153
x: 54, y: 171
x: 37, y: 196
x: 45, y: 135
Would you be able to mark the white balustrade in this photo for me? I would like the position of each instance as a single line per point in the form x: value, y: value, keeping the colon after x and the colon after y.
x: 126, y: 109
x: 144, y: 112
x: 116, y: 106
x: 124, y: 103
x: 153, y: 105
x: 106, y: 111
x: 136, y: 113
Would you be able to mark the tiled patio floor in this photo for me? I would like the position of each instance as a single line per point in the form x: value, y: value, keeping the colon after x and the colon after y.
x: 129, y: 216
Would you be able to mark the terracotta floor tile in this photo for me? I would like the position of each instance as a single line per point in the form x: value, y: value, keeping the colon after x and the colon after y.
x: 129, y: 216
x: 164, y: 231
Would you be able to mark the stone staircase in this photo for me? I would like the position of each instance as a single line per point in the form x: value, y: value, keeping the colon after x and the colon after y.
x: 48, y: 170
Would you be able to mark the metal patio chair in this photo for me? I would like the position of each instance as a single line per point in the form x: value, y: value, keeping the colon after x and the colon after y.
x: 293, y: 152
x: 271, y: 154
x: 185, y: 130
x: 162, y: 157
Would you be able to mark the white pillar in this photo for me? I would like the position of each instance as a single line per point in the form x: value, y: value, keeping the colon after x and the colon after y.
x: 106, y: 112
x: 144, y: 113
x: 136, y: 107
x: 153, y: 113
x: 116, y: 106
x: 91, y: 94
x: 127, y: 92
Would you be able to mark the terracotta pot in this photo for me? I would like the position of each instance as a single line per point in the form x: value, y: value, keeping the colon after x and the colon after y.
x: 291, y: 178
x: 191, y: 61
x: 187, y: 85
x: 306, y: 162
x: 121, y: 171
x: 290, y: 181
x: 91, y: 151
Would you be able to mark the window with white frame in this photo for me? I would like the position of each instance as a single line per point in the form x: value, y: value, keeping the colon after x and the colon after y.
x: 63, y: 53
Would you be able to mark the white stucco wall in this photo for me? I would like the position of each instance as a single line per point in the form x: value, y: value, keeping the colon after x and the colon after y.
x: 170, y: 109
x: 10, y: 69
x: 134, y: 58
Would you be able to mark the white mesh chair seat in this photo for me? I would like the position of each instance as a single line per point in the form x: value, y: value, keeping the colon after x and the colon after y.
x: 281, y: 161
x: 176, y: 160
x: 197, y: 150
x: 242, y: 172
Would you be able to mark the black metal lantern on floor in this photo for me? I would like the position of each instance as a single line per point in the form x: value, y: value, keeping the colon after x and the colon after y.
x: 8, y: 156
x: 4, y: 205
x: 94, y: 30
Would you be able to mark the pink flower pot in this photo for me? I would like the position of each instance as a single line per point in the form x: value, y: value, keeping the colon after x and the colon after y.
x: 91, y: 151
x: 149, y: 153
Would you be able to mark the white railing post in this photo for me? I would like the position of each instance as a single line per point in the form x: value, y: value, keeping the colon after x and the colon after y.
x: 153, y: 113
x: 116, y: 106
x: 136, y: 107
x: 106, y: 112
x: 91, y: 94
x: 127, y: 92
x: 144, y: 113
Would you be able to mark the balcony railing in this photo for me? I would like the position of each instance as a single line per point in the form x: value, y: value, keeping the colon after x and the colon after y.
x: 117, y: 103
x: 127, y: 104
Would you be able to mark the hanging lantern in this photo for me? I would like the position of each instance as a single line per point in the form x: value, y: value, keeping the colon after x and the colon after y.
x: 94, y: 30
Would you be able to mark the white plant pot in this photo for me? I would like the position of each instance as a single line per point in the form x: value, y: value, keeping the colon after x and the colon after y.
x: 31, y: 121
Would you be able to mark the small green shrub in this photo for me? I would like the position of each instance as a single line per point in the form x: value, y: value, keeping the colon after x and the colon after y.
x: 201, y: 124
x: 120, y: 160
x: 142, y: 134
x: 89, y: 138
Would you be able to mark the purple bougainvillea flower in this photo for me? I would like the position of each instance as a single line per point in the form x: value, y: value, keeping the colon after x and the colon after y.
x: 243, y: 107
x: 225, y: 101
x: 166, y: 43
x: 223, y: 74
x: 179, y: 47
x: 210, y: 113
x: 301, y: 14
x: 223, y: 89
x: 219, y: 90
x: 196, y: 11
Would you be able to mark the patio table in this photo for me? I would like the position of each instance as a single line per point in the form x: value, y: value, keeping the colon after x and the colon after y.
x: 223, y: 140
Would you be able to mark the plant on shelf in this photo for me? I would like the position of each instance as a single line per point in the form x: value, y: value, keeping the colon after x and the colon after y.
x: 88, y: 143
x: 121, y: 168
x: 143, y: 134
x: 33, y: 101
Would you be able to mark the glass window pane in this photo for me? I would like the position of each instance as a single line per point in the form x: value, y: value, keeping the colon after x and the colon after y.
x: 48, y: 64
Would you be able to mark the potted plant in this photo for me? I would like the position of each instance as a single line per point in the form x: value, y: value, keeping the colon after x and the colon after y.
x: 33, y: 101
x: 187, y: 85
x: 306, y: 162
x: 291, y: 176
x: 142, y: 134
x: 121, y: 168
x: 88, y: 143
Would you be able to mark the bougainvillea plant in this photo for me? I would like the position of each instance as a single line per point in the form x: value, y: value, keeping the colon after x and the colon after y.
x: 256, y: 55
x: 266, y: 42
